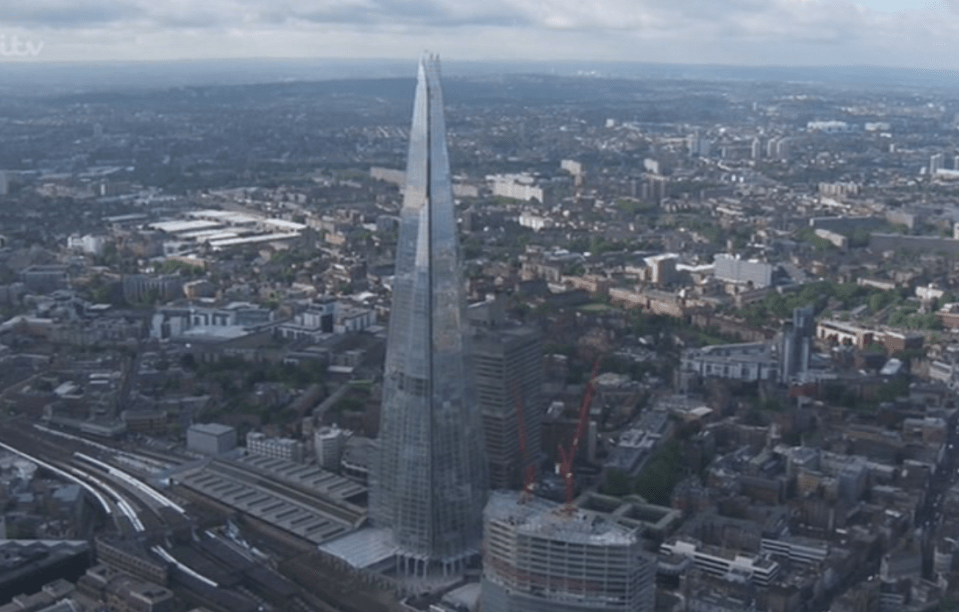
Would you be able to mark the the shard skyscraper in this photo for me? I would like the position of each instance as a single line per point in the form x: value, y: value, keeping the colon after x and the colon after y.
x: 428, y: 482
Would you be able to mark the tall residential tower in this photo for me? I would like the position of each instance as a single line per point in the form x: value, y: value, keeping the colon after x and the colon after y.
x: 796, y: 344
x: 429, y: 479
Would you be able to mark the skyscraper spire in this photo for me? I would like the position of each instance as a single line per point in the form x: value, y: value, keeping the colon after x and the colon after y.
x: 428, y: 482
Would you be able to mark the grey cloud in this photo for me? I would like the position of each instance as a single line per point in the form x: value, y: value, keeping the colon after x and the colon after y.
x: 436, y: 13
x: 189, y: 21
x: 689, y: 29
x: 808, y: 19
x: 743, y: 17
x: 66, y: 14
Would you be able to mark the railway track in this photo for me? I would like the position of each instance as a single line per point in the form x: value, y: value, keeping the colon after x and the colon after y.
x: 116, y: 493
x: 134, y: 508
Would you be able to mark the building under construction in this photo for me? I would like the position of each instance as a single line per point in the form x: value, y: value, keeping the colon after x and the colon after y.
x: 540, y: 556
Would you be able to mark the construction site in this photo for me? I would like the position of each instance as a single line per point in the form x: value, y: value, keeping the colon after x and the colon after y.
x: 541, y: 556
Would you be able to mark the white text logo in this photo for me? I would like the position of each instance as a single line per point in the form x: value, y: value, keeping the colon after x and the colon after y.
x: 14, y: 47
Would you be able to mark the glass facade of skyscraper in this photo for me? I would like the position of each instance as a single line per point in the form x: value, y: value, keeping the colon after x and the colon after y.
x: 429, y: 482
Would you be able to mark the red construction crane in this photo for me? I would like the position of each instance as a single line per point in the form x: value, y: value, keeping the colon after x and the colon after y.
x: 568, y: 456
x: 529, y: 469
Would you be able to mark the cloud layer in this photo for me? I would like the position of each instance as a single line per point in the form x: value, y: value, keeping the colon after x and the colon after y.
x: 699, y: 31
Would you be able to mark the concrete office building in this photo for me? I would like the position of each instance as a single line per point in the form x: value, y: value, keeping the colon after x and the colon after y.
x: 662, y: 268
x: 748, y: 362
x: 777, y: 148
x: 829, y: 127
x: 537, y: 558
x: 508, y: 361
x: 797, y: 341
x: 277, y: 448
x: 512, y: 188
x: 735, y: 270
x: 428, y: 482
x: 143, y: 287
x: 760, y: 569
x: 572, y: 166
x: 210, y: 438
x: 329, y: 444
x: 698, y: 146
x: 937, y: 162
x: 44, y: 279
x: 654, y: 188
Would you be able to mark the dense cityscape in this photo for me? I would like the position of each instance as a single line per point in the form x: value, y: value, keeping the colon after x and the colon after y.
x: 565, y: 341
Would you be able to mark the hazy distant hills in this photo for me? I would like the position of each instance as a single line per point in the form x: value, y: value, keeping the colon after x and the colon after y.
x: 33, y: 78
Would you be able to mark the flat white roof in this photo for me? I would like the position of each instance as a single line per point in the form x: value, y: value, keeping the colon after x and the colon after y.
x: 225, y: 216
x: 364, y: 548
x: 221, y: 332
x: 700, y: 268
x: 207, y: 234
x: 176, y: 227
x: 220, y: 244
x: 215, y: 429
x: 284, y: 224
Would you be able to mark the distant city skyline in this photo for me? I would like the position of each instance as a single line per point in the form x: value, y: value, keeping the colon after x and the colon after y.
x: 747, y: 32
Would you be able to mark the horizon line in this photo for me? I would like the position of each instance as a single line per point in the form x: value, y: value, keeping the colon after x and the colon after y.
x: 413, y: 60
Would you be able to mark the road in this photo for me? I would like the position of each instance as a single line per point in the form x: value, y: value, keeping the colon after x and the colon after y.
x: 928, y: 513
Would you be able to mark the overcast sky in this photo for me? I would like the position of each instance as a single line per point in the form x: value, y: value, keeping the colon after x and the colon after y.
x: 780, y: 32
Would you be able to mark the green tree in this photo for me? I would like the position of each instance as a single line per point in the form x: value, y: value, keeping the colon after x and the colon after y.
x: 895, y: 388
x: 615, y: 482
x: 656, y: 481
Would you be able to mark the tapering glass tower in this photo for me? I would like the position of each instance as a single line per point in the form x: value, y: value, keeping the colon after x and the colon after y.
x: 428, y: 482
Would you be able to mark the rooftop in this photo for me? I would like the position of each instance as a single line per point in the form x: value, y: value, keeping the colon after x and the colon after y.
x: 547, y: 519
x: 214, y: 429
x: 364, y: 548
